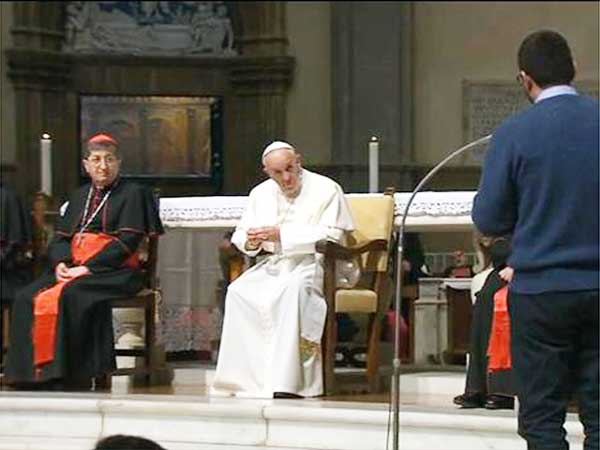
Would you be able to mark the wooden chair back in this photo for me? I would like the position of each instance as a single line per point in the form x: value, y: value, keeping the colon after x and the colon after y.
x: 373, y: 219
x: 371, y: 241
x: 147, y: 299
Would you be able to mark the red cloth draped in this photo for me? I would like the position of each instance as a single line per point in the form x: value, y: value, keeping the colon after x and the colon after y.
x: 46, y: 302
x: 499, y: 344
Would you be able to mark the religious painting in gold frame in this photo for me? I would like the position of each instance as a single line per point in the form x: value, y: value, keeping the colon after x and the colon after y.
x: 159, y: 136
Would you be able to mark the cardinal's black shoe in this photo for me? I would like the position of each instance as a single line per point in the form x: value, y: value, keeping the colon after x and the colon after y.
x: 469, y: 400
x: 499, y: 402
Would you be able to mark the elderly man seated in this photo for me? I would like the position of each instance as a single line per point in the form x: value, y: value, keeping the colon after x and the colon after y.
x: 61, y: 327
x: 275, y: 312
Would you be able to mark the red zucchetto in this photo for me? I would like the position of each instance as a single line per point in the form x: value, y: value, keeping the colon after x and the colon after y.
x: 102, y: 138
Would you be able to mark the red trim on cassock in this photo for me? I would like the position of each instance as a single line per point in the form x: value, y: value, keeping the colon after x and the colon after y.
x: 46, y: 302
x: 499, y: 344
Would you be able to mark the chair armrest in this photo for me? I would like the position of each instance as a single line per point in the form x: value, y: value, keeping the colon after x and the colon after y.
x: 227, y: 248
x: 337, y: 251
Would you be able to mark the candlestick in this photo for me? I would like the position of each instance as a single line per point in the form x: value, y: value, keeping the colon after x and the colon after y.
x: 46, y: 164
x: 374, y: 165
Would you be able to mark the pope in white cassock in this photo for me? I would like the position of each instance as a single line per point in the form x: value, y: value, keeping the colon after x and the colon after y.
x: 275, y: 311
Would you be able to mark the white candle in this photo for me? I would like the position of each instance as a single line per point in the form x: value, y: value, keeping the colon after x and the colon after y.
x: 374, y: 165
x: 46, y: 164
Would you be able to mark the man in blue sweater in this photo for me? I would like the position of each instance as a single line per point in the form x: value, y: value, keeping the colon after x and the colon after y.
x: 540, y: 184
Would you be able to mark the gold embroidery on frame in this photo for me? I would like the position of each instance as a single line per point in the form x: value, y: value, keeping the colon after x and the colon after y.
x: 308, y: 349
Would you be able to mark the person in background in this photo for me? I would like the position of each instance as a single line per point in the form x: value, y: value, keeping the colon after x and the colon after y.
x: 460, y: 268
x: 540, y: 183
x: 61, y: 324
x: 482, y: 388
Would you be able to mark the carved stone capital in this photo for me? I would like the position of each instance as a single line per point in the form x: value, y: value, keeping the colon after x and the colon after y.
x: 262, y: 75
x: 38, y: 69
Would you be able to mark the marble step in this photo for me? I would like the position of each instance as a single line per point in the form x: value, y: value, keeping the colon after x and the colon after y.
x: 46, y: 421
x: 433, y: 383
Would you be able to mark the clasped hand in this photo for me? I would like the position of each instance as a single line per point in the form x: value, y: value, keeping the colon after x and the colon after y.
x: 507, y: 274
x: 65, y: 273
x: 256, y: 236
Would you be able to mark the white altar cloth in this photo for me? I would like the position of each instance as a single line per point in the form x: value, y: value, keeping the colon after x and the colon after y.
x: 430, y: 211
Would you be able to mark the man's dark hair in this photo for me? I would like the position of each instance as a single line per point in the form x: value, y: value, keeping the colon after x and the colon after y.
x: 545, y: 56
x: 126, y: 442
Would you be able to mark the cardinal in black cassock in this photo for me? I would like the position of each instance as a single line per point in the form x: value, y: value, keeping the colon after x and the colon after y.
x: 61, y: 325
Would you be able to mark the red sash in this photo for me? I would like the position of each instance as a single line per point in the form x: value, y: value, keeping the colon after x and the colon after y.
x: 46, y: 301
x: 499, y: 344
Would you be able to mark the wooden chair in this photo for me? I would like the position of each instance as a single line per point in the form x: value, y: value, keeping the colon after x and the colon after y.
x: 410, y: 294
x: 459, y: 323
x: 32, y: 256
x: 370, y: 243
x: 24, y: 261
x: 5, y: 317
x: 147, y: 299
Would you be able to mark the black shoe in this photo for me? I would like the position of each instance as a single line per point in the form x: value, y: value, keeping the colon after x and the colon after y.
x: 78, y: 384
x: 103, y: 383
x: 499, y: 402
x: 286, y: 395
x: 49, y: 385
x: 341, y: 357
x: 469, y: 400
x: 358, y: 357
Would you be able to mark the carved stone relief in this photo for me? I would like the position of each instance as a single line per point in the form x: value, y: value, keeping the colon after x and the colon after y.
x: 174, y: 27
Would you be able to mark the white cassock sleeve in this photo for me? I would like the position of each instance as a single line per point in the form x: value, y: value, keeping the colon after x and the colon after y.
x: 335, y: 218
x: 239, y: 236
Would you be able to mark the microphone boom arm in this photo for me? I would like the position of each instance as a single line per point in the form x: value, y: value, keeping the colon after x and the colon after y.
x: 398, y: 299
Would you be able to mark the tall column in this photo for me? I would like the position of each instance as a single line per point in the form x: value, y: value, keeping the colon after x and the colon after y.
x: 40, y: 75
x: 371, y: 87
x: 259, y: 79
x: 263, y: 29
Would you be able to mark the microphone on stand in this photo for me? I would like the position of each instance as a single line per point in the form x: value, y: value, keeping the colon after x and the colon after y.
x: 398, y: 299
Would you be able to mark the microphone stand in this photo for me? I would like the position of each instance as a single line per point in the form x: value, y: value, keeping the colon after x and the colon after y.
x: 398, y: 302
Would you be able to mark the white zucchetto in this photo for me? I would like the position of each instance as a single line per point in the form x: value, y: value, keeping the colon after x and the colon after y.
x: 276, y: 145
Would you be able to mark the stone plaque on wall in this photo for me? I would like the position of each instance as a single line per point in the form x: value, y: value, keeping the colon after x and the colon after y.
x: 487, y: 103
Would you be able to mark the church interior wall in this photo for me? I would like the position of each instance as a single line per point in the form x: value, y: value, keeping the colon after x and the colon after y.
x: 441, y: 45
x: 49, y: 80
x: 309, y: 124
x: 432, y: 47
x: 454, y: 41
x: 478, y: 41
x: 7, y: 120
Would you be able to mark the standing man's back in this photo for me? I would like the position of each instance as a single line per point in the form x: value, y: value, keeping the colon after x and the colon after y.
x: 540, y: 183
x: 543, y: 186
